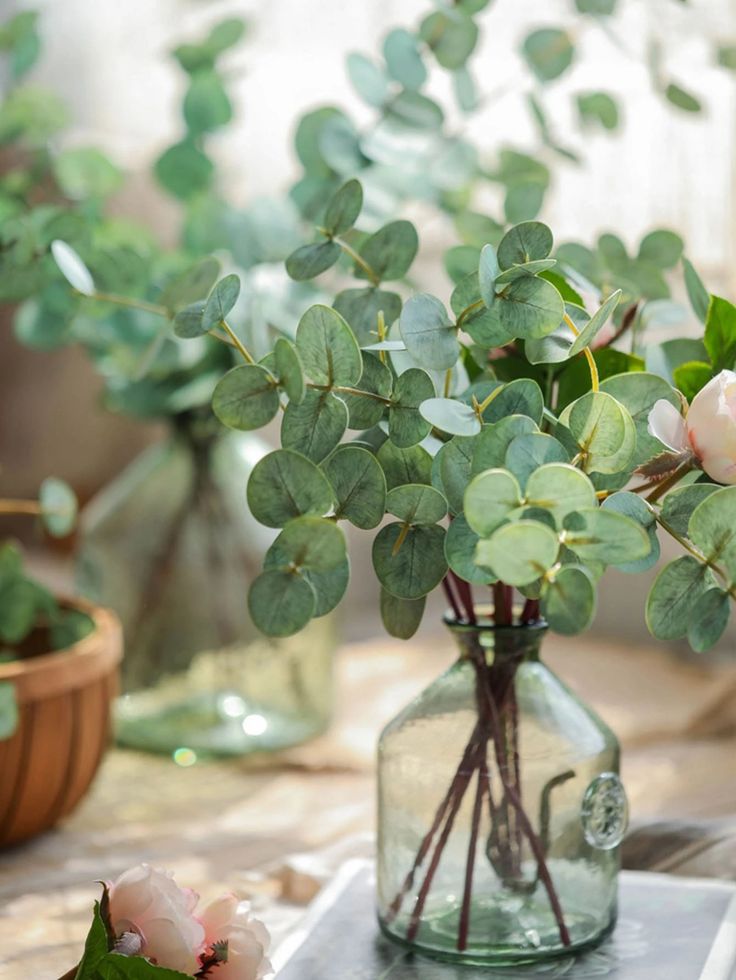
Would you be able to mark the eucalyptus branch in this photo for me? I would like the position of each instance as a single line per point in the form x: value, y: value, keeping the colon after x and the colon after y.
x: 347, y: 390
x: 136, y: 304
x: 468, y: 311
x: 592, y: 366
x: 236, y: 342
x: 373, y: 276
x: 664, y: 485
x: 730, y: 587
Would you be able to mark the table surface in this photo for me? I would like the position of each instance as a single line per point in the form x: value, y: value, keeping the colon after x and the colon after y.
x: 273, y: 829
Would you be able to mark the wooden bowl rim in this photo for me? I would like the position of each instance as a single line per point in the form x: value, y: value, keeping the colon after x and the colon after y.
x: 60, y: 671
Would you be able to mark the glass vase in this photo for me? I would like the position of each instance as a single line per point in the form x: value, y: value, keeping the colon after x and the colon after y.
x: 171, y: 546
x: 500, y: 810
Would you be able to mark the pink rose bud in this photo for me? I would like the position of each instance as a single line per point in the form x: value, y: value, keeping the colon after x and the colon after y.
x: 148, y: 902
x: 247, y: 940
x: 708, y: 430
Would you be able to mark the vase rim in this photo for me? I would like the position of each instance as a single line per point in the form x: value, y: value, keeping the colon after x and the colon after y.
x: 485, y: 624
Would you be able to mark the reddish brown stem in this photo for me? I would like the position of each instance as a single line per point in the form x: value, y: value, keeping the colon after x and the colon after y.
x: 530, y: 612
x: 462, y: 936
x: 466, y: 598
x: 451, y: 598
x: 500, y: 605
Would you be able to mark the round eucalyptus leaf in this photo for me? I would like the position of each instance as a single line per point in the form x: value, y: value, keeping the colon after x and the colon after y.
x: 452, y: 36
x: 491, y: 497
x: 450, y: 416
x: 312, y: 543
x: 673, y: 597
x: 519, y: 553
x: 406, y: 427
x: 596, y: 323
x: 188, y: 321
x: 712, y: 528
x: 554, y: 348
x: 679, y: 504
x: 360, y: 308
x: 569, y: 600
x: 289, y: 370
x: 526, y: 269
x: 387, y: 345
x: 489, y: 451
x: 634, y: 507
x: 418, y: 565
x: 368, y: 80
x: 603, y: 535
x: 327, y: 347
x: 520, y: 397
x: 526, y: 453
x: 281, y: 603
x: 72, y: 268
x: 638, y: 392
x: 58, y: 507
x: 389, y: 251
x: 529, y: 307
x: 245, y: 398
x: 460, y: 545
x: 311, y: 260
x: 404, y: 60
x: 524, y: 200
x: 184, y: 170
x: 429, y: 334
x: 221, y: 300
x: 377, y: 379
x: 411, y: 465
x: 191, y: 285
x: 412, y: 110
x: 315, y: 425
x: 329, y: 587
x: 285, y: 484
x: 560, y: 489
x: 710, y: 617
x: 603, y: 430
x: 401, y: 617
x: 548, y: 52
x: 206, y: 105
x: 416, y: 503
x: 344, y: 207
x: 488, y: 272
x: 359, y: 485
x: 525, y: 242
x: 452, y: 465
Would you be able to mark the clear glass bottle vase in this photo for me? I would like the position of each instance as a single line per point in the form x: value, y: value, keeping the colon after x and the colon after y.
x: 500, y: 810
x: 171, y: 546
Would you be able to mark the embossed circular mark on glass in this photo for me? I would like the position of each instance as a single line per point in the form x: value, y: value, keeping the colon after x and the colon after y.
x: 605, y: 812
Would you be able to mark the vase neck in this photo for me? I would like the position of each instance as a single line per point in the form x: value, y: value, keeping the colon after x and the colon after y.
x: 492, y: 644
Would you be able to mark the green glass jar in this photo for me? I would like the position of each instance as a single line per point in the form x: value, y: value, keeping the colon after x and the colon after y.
x: 171, y: 546
x: 500, y: 810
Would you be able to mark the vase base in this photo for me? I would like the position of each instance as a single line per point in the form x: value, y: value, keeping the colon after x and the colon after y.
x: 208, y: 725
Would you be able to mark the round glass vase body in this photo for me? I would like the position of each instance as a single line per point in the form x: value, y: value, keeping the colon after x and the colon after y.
x: 172, y: 547
x: 500, y: 810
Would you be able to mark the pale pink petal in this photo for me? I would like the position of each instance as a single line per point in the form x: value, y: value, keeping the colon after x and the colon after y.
x: 666, y: 424
x: 218, y: 917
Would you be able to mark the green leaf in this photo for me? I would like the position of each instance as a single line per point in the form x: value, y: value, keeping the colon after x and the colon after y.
x: 58, y: 507
x: 523, y: 200
x: 682, y: 99
x: 401, y: 617
x: 712, y: 528
x: 8, y: 710
x: 403, y: 60
x: 489, y: 450
x: 452, y: 469
x: 451, y: 36
x: 389, y: 251
x: 601, y: 535
x: 329, y: 587
x: 289, y: 370
x: 529, y: 307
x: 359, y: 485
x: 679, y: 504
x: 327, y: 348
x: 221, y: 300
x: 555, y: 347
x: 344, y: 207
x: 416, y: 503
x: 417, y: 567
x: 548, y: 52
x: 281, y: 603
x: 634, y: 507
x: 429, y: 334
x: 460, y: 546
x: 691, y: 377
x: 696, y: 291
x: 526, y: 242
x: 488, y: 272
x: 710, y: 617
x: 206, y: 104
x: 188, y: 321
x: 638, y: 392
x: 519, y: 553
x: 726, y: 56
x: 526, y: 453
x: 226, y: 34
x: 560, y: 489
x: 526, y: 269
x: 490, y: 499
x: 85, y: 173
x: 376, y: 378
x: 95, y: 947
x: 315, y: 425
x: 603, y: 430
x: 720, y: 333
x: 72, y: 268
x: 360, y: 308
x: 600, y: 7
x: 598, y: 108
x: 309, y: 261
x: 285, y: 484
x: 414, y: 111
x: 191, y: 285
x: 595, y: 324
x: 662, y: 248
x: 673, y: 596
x: 450, y: 416
x: 412, y: 465
x: 184, y: 170
x: 481, y: 323
x: 245, y: 398
x: 406, y: 427
x: 520, y: 397
x: 569, y: 600
x: 367, y: 79
x: 314, y: 544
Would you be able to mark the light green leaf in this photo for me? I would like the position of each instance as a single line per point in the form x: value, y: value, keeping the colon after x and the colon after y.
x: 672, y: 598
x: 403, y: 59
x: 429, y: 334
x: 560, y: 489
x: 452, y: 466
x: 58, y: 507
x: 390, y: 251
x: 569, y: 600
x: 406, y: 427
x: 679, y: 97
x: 184, y: 170
x: 191, y: 285
x: 344, y: 207
x: 311, y: 543
x: 312, y: 260
x: 85, y: 173
x: 401, y: 617
x: 491, y: 497
x: 417, y: 567
x: 529, y: 307
x: 285, y: 484
x: 600, y: 7
x: 72, y: 268
x: 638, y: 391
x: 460, y: 547
x: 555, y: 347
x: 523, y: 200
x: 289, y: 370
x: 680, y: 503
x: 527, y: 453
x: 376, y: 378
x: 359, y: 485
x: 548, y: 52
x: 450, y: 416
x: 601, y: 535
x: 414, y: 111
x: 368, y: 79
x: 281, y: 603
x: 604, y: 431
x: 452, y: 36
x: 188, y: 321
x: 360, y: 308
x: 246, y: 398
x: 206, y: 104
x: 712, y: 528
x: 520, y: 397
x: 662, y: 248
x: 315, y: 425
x: 598, y: 108
x: 221, y: 301
x: 696, y: 291
x: 525, y: 242
x: 327, y: 348
x: 411, y: 465
x: 526, y: 269
x: 519, y: 553
x: 596, y: 323
x: 720, y: 333
x: 634, y: 507
x: 710, y: 617
x: 488, y: 272
x: 329, y: 587
x: 489, y: 450
x: 416, y: 503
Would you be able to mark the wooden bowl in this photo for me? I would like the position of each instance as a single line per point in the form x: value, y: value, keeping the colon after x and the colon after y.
x: 64, y: 701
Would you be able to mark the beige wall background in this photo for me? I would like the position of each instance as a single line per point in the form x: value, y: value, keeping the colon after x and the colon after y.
x: 109, y: 61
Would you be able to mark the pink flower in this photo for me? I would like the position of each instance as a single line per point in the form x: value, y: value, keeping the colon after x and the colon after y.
x: 247, y: 940
x: 148, y: 902
x: 708, y: 430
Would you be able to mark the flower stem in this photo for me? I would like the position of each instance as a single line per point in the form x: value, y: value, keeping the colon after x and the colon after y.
x: 664, y: 485
x: 462, y: 936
